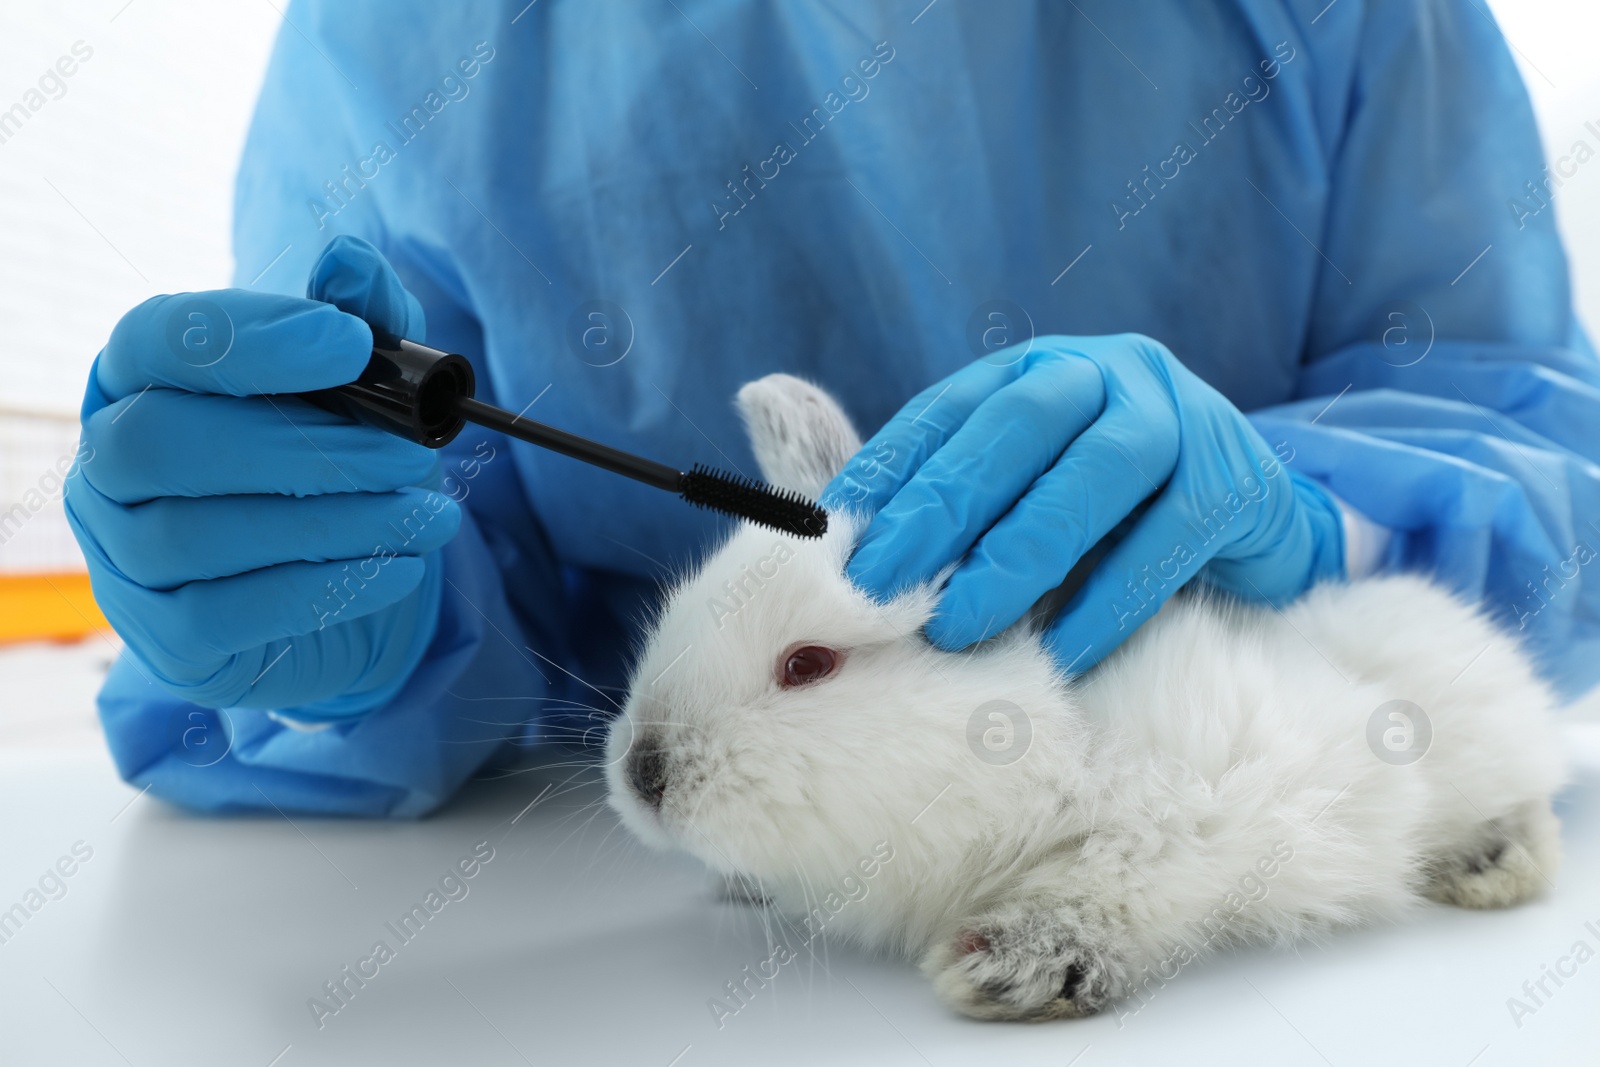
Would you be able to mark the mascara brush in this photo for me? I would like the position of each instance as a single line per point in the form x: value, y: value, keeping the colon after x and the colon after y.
x: 425, y: 395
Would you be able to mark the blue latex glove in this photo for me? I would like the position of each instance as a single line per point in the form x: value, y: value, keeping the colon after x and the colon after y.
x: 254, y: 550
x: 1019, y: 463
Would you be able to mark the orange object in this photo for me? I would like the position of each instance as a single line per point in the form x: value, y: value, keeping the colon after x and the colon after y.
x: 44, y: 606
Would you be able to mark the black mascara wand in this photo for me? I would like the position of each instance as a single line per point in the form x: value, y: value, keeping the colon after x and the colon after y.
x: 426, y: 396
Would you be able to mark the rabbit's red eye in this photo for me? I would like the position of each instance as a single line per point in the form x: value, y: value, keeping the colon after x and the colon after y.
x: 806, y: 664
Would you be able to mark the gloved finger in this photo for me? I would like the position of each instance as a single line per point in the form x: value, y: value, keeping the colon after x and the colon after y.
x: 354, y: 277
x: 187, y: 632
x: 169, y: 443
x: 1105, y: 474
x: 1125, y: 590
x: 288, y: 672
x: 167, y: 542
x: 232, y: 342
x: 989, y: 464
x: 281, y: 674
x: 895, y: 453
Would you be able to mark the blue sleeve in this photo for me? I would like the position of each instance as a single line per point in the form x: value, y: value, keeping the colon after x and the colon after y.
x: 1448, y: 392
x: 494, y: 663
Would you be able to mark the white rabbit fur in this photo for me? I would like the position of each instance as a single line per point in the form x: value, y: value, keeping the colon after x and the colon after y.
x: 1137, y: 829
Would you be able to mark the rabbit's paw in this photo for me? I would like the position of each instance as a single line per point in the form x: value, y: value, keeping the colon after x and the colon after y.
x: 1029, y: 963
x: 1507, y: 860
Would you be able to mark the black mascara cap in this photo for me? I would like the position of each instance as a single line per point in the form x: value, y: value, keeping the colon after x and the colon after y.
x: 407, y: 389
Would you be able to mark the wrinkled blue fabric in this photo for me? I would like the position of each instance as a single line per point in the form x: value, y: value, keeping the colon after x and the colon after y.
x: 620, y: 214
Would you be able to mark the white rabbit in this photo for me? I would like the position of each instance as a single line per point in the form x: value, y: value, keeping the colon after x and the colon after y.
x: 1050, y: 846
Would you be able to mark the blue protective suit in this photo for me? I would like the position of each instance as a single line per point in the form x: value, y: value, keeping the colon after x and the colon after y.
x: 622, y: 213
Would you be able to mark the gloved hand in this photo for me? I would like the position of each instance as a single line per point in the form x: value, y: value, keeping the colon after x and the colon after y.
x: 254, y: 550
x: 1019, y: 463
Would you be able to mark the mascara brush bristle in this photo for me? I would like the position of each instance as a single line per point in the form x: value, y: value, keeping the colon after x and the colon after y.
x: 744, y: 498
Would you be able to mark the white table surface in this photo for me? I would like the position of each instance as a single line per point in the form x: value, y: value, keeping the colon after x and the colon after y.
x: 188, y: 940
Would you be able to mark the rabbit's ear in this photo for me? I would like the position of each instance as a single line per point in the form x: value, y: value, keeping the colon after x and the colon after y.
x: 801, y: 437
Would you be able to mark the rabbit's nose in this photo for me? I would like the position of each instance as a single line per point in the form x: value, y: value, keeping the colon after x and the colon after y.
x: 647, y: 773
